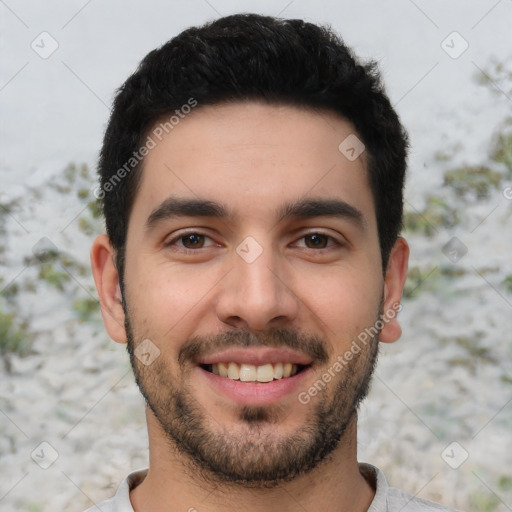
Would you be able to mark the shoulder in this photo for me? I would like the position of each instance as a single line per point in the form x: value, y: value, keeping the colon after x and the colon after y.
x: 390, y: 499
x: 121, y: 501
x: 104, y: 506
x: 401, y: 500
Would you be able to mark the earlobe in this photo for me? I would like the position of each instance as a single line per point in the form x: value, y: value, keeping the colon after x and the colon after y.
x: 396, y: 274
x: 106, y: 279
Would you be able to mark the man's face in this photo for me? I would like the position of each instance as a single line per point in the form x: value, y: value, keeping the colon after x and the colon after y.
x: 252, y: 246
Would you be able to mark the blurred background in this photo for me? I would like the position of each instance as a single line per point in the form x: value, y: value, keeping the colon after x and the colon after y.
x: 439, y: 417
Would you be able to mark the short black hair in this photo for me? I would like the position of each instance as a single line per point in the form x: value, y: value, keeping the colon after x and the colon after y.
x: 247, y: 57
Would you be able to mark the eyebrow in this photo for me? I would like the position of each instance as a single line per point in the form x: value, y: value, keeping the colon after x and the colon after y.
x: 303, y: 208
x: 183, y: 207
x: 310, y: 208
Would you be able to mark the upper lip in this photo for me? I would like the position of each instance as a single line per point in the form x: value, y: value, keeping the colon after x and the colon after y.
x: 257, y: 356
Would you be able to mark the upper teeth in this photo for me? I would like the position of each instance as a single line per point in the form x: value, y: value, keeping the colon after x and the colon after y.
x: 251, y: 373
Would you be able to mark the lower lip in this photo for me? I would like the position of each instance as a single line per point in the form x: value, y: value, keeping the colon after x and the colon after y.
x: 248, y: 393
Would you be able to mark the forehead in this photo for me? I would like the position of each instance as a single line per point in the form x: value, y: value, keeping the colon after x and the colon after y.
x: 254, y: 158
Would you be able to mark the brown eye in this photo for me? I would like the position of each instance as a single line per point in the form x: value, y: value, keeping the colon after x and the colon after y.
x: 193, y: 241
x: 316, y: 241
x: 189, y: 243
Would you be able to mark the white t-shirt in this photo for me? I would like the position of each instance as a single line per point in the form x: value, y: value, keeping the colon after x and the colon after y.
x: 387, y: 499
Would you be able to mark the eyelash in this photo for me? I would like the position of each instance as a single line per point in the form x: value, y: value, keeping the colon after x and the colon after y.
x: 334, y: 242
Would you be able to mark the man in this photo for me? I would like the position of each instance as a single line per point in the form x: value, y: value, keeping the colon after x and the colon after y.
x: 252, y: 175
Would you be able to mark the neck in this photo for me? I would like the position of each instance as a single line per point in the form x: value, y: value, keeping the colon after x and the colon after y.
x: 335, y: 485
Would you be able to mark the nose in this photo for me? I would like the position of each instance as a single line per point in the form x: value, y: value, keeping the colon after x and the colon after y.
x: 257, y: 294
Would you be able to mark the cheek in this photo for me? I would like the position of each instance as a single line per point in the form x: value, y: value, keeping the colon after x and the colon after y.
x: 344, y: 299
x: 167, y: 297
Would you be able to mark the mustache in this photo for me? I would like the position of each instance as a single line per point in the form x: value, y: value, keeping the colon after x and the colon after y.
x: 201, y: 346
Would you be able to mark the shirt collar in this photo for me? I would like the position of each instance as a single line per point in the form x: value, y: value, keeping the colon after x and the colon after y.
x: 374, y: 476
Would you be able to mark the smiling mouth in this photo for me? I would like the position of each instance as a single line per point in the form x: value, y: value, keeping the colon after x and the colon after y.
x: 254, y: 373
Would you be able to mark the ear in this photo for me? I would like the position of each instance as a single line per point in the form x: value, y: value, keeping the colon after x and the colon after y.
x: 106, y: 279
x: 394, y: 281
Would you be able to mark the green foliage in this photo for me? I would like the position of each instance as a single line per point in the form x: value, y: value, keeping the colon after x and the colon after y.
x: 477, y: 180
x: 84, y: 171
x: 501, y: 150
x: 498, y: 80
x: 68, y: 263
x: 484, y: 501
x: 70, y: 173
x: 48, y: 263
x: 95, y: 208
x: 437, y: 213
x: 452, y: 271
x: 507, y: 283
x: 86, y: 308
x: 83, y: 193
x: 437, y: 278
x: 32, y: 506
x: 6, y: 209
x: 473, y: 349
x: 10, y: 291
x: 85, y: 226
x: 74, y: 177
x: 492, y: 78
x: 505, y: 483
x: 89, y: 224
x: 53, y: 276
x: 63, y: 189
x: 13, y: 337
x: 442, y: 156
x: 416, y: 278
x: 47, y: 257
